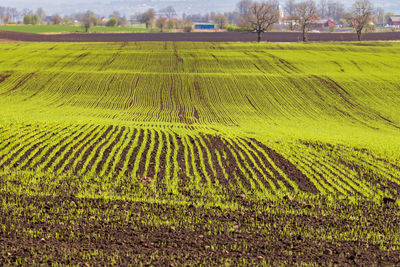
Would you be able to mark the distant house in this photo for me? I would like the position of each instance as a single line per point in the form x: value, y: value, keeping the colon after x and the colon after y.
x: 204, y: 26
x: 290, y: 22
x: 394, y: 21
x: 103, y: 20
x: 322, y: 24
x: 48, y: 19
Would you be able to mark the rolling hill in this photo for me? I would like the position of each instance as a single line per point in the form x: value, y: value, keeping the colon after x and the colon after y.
x: 201, y: 153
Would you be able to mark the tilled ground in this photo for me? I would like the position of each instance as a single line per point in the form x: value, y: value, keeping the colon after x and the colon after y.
x: 70, y: 230
x: 194, y: 37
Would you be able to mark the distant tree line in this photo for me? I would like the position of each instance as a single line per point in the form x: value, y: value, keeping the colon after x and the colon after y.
x: 260, y: 17
x: 256, y: 16
x: 13, y: 15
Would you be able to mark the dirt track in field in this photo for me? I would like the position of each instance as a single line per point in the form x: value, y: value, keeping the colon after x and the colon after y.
x: 194, y: 37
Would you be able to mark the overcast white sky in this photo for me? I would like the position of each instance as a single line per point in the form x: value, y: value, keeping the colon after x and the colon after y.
x: 128, y: 7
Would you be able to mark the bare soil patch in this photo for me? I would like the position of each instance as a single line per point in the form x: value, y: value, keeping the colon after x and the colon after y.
x: 195, y: 37
x: 213, y: 237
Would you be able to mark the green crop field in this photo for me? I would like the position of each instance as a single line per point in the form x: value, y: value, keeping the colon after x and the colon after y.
x: 200, y: 153
x: 69, y: 28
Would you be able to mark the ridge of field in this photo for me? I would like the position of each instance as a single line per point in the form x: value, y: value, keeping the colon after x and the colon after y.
x: 232, y: 127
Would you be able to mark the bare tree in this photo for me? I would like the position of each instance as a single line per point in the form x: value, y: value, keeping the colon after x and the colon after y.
x: 147, y: 17
x: 4, y: 18
x: 123, y: 21
x: 161, y: 23
x: 88, y: 20
x: 290, y: 7
x: 56, y: 19
x: 169, y: 12
x: 306, y: 13
x: 183, y: 23
x: 12, y: 13
x: 41, y: 14
x: 116, y: 14
x: 335, y: 10
x: 380, y: 16
x: 263, y: 16
x: 212, y: 15
x: 361, y: 15
x: 220, y: 20
x: 244, y: 8
x: 24, y: 12
x: 233, y: 17
x: 323, y: 8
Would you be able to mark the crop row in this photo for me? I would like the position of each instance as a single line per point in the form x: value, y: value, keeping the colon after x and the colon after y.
x: 203, y: 84
x: 162, y: 157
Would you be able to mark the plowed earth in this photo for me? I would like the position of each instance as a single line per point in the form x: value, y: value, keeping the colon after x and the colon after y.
x: 194, y: 37
x: 195, y: 235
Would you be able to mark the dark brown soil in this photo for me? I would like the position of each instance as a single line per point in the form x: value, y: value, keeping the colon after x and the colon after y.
x: 36, y: 145
x: 142, y: 162
x: 181, y: 159
x: 153, y: 156
x: 247, y: 165
x: 8, y: 143
x: 291, y: 170
x: 197, y: 160
x: 197, y: 235
x: 69, y: 152
x: 228, y: 161
x: 134, y: 154
x: 194, y: 37
x: 72, y: 150
x: 90, y: 149
x: 108, y: 150
x: 220, y: 175
x: 4, y: 77
x: 39, y: 135
x: 119, y: 165
x: 103, y: 141
x: 206, y: 161
x: 163, y: 159
x: 267, y: 164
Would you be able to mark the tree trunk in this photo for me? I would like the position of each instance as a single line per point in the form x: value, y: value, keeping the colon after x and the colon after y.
x: 359, y: 35
x: 259, y: 36
x: 304, y: 34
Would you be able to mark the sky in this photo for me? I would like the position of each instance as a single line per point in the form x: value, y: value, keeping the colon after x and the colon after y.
x: 130, y: 7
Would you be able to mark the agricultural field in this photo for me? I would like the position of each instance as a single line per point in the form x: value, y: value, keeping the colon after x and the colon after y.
x: 181, y: 153
x: 68, y: 28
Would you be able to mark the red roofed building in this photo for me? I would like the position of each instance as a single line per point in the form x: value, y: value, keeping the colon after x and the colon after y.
x: 322, y: 24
